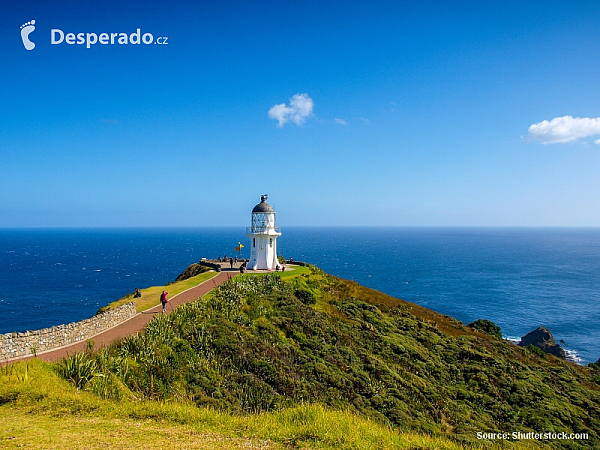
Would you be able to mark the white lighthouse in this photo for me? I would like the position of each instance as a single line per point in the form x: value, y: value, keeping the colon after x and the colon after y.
x: 263, y: 237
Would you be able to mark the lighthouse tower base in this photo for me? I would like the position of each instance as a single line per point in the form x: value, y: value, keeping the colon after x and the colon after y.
x: 263, y: 252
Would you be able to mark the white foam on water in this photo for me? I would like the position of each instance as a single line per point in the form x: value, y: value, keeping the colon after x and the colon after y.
x: 572, y: 356
x: 514, y: 340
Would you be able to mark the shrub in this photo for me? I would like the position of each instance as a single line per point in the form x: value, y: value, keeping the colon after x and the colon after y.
x: 79, y: 369
x: 306, y: 297
x: 536, y: 351
x: 487, y: 326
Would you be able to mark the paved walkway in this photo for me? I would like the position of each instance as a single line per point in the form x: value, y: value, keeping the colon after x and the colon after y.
x: 137, y: 322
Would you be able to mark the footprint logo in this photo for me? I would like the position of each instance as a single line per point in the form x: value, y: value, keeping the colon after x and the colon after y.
x: 26, y: 29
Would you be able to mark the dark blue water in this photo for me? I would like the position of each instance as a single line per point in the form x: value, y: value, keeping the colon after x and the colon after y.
x: 518, y: 278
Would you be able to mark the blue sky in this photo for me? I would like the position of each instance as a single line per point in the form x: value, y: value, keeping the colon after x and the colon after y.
x: 345, y: 113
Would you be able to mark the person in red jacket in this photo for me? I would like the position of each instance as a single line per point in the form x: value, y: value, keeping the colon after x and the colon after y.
x: 163, y: 300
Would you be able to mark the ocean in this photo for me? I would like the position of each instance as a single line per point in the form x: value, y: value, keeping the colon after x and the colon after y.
x: 519, y: 278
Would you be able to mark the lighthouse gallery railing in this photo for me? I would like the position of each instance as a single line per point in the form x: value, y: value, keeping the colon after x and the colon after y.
x: 262, y: 229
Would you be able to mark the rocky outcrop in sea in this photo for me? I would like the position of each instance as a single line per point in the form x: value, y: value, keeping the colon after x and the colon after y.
x: 542, y: 339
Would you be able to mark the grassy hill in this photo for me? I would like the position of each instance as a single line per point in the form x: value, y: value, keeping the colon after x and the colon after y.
x: 306, y: 360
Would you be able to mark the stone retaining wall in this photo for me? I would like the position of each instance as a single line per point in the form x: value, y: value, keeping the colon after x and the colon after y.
x: 15, y: 345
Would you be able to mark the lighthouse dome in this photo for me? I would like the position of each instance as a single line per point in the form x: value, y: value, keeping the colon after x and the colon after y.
x: 263, y: 206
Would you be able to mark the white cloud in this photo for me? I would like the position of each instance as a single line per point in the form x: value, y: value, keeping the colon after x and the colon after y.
x: 301, y: 106
x: 564, y: 129
x: 340, y: 121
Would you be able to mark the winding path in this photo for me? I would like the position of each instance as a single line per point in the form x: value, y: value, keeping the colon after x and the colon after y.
x: 136, y: 323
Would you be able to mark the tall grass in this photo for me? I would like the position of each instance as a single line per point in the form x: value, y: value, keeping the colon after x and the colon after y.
x: 79, y: 369
x: 274, y: 352
x: 40, y: 409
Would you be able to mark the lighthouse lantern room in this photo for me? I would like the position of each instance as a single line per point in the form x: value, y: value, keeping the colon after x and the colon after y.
x: 263, y: 236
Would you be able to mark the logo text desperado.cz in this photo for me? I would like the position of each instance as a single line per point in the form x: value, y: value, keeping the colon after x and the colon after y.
x: 58, y: 37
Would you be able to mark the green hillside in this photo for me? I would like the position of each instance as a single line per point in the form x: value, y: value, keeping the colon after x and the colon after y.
x: 326, y: 352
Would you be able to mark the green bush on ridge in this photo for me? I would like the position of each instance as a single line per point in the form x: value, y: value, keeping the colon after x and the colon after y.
x: 487, y: 326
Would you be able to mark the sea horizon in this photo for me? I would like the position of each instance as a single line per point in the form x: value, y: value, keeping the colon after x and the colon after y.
x: 244, y: 226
